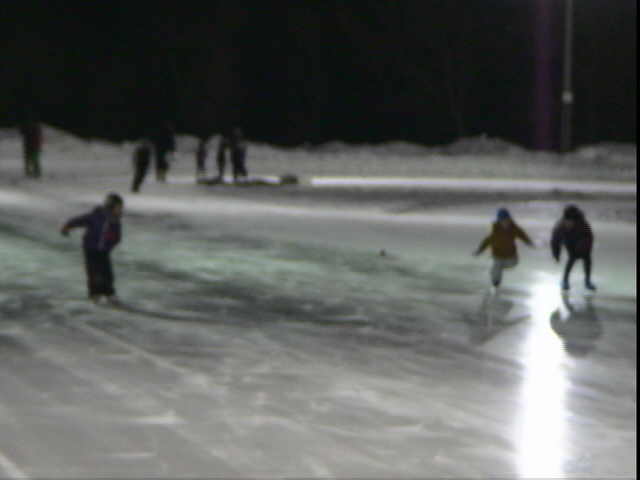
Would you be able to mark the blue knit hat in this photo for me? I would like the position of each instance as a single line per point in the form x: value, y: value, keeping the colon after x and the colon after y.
x: 502, y: 214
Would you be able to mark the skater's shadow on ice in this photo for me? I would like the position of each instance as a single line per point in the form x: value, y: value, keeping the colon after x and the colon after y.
x: 577, y: 323
x: 180, y: 316
x: 494, y: 315
x: 80, y: 307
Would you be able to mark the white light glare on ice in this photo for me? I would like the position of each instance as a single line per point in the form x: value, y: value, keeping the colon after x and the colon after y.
x: 542, y: 419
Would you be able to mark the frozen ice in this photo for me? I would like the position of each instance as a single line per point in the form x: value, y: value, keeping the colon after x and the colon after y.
x: 264, y: 336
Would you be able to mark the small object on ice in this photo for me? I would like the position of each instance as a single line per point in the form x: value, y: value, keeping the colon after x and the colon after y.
x: 288, y: 179
x: 212, y: 181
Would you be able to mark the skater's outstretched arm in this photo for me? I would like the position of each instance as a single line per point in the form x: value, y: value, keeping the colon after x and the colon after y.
x: 522, y: 235
x: 76, y: 222
x: 483, y: 245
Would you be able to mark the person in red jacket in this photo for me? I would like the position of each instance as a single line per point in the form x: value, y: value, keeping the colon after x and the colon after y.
x: 574, y: 233
x: 502, y: 239
x: 102, y: 234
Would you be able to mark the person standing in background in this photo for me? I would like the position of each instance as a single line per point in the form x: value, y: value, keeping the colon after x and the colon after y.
x: 201, y: 159
x: 238, y: 147
x: 141, y: 162
x: 32, y: 146
x: 164, y: 144
x: 221, y: 157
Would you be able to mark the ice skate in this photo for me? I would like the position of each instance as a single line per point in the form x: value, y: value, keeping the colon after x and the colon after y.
x: 113, y: 300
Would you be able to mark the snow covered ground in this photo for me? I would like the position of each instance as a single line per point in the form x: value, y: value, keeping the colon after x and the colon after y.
x: 266, y: 336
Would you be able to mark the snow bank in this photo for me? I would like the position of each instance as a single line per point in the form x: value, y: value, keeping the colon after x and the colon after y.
x: 474, y: 157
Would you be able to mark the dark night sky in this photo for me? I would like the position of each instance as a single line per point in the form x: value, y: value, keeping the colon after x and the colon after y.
x: 295, y: 71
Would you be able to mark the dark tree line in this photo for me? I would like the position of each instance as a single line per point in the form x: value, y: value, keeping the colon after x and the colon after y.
x: 294, y: 71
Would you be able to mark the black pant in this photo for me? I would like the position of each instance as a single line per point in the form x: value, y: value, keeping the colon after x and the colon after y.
x: 238, y: 165
x: 221, y: 160
x: 100, y: 279
x: 162, y: 164
x: 139, y: 176
x: 586, y: 260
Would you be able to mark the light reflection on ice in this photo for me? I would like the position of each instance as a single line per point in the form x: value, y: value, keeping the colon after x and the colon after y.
x: 269, y: 338
x: 478, y: 184
x: 542, y: 418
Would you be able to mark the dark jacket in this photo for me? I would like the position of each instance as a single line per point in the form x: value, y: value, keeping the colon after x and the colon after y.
x: 32, y: 137
x: 142, y: 157
x: 503, y: 240
x: 201, y: 153
x: 102, y: 229
x: 578, y: 240
x: 238, y: 146
x: 163, y: 138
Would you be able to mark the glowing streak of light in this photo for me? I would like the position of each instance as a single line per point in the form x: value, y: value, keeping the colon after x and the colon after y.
x: 543, y: 395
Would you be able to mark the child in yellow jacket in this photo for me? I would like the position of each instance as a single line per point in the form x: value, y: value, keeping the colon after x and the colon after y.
x: 502, y: 240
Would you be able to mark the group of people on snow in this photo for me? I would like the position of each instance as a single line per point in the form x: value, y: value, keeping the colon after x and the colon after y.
x: 235, y: 145
x: 103, y: 233
x: 162, y: 143
x: 159, y: 145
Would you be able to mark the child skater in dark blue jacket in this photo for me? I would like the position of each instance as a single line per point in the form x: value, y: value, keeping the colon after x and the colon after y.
x: 102, y: 234
x: 574, y: 233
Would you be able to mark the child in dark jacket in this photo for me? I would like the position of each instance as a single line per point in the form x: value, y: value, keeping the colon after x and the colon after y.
x: 102, y: 234
x: 502, y: 240
x: 574, y: 232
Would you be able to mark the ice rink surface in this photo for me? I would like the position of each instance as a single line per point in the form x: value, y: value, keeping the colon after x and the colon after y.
x: 297, y: 334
